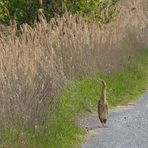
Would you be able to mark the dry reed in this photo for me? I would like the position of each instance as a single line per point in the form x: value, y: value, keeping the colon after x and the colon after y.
x: 35, y: 64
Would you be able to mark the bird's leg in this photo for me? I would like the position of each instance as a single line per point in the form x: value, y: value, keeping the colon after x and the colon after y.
x: 105, y: 126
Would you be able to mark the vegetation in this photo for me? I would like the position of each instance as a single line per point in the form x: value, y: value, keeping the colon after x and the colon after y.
x: 26, y: 11
x: 78, y: 97
x: 98, y: 10
x: 22, y: 11
x: 36, y: 63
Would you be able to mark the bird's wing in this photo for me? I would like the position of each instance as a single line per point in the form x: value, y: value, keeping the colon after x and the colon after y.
x: 107, y: 107
x: 98, y: 105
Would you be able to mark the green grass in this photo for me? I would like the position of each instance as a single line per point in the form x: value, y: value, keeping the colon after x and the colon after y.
x: 80, y: 96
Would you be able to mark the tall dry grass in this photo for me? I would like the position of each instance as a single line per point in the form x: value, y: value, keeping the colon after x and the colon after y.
x: 30, y: 71
x: 35, y: 64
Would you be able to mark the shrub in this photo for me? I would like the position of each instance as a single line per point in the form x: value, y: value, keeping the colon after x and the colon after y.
x: 25, y: 11
x: 98, y: 10
x: 22, y: 11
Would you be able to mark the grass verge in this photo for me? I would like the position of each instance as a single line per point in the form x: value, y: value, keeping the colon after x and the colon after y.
x: 78, y: 97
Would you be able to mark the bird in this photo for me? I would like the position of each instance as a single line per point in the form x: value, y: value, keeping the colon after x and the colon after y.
x: 103, y: 105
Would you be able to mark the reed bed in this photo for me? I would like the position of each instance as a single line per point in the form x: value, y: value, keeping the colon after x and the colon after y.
x: 35, y: 64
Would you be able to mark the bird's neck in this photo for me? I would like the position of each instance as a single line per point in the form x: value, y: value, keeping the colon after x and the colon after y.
x: 103, y: 95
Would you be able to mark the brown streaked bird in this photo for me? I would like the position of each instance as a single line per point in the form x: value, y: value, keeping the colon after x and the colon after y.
x: 103, y: 105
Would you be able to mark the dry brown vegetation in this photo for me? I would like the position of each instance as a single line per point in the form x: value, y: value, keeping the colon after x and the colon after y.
x: 35, y: 64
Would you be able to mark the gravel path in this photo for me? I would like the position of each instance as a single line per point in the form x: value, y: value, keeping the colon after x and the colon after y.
x: 127, y: 127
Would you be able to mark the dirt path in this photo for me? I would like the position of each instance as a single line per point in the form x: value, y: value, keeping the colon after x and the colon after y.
x: 127, y: 127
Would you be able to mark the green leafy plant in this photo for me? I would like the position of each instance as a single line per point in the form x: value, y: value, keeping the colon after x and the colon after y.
x: 25, y: 11
x: 22, y: 11
x: 98, y: 10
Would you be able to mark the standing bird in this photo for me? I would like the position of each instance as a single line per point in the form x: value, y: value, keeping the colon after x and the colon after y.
x: 103, y: 105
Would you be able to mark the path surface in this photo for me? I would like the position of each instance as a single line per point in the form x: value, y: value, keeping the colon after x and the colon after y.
x: 127, y: 127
